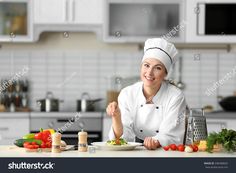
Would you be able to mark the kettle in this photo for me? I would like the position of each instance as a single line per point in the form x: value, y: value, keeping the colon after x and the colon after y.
x: 196, y: 126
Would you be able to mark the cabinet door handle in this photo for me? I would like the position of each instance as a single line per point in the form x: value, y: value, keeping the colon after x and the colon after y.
x: 73, y: 11
x: 4, y: 128
x: 66, y: 10
x: 65, y: 120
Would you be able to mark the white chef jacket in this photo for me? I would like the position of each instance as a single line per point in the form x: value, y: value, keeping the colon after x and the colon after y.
x: 164, y: 120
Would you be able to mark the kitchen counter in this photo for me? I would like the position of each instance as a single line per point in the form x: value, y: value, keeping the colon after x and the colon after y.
x: 221, y: 115
x: 211, y: 115
x: 65, y: 114
x: 14, y: 114
x: 13, y: 151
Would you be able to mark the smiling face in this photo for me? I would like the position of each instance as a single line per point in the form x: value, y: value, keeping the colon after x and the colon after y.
x: 152, y: 73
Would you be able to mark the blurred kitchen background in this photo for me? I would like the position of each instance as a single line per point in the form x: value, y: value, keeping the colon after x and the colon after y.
x: 80, y: 50
x: 70, y: 73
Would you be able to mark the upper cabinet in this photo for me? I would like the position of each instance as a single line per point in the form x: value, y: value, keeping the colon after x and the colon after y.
x: 211, y: 21
x: 135, y: 21
x: 16, y: 21
x: 68, y: 12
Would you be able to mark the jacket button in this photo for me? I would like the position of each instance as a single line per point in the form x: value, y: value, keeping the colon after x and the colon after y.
x: 157, y: 131
x: 141, y: 130
x: 157, y: 107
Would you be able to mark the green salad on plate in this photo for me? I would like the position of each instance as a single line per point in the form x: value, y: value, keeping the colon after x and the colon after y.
x: 120, y: 141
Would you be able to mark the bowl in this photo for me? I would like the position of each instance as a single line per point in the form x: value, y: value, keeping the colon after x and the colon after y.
x: 228, y: 103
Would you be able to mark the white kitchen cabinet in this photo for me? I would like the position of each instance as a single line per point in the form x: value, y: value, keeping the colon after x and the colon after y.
x: 12, y: 129
x: 50, y: 11
x: 68, y: 12
x: 106, y: 127
x: 135, y: 21
x: 16, y: 18
x: 88, y: 11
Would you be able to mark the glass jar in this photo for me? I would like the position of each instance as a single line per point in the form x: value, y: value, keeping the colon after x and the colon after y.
x: 114, y: 87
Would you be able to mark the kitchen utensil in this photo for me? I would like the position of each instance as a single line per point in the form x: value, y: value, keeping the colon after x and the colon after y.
x: 180, y: 84
x: 74, y: 147
x: 50, y: 104
x: 86, y: 104
x: 114, y: 87
x: 89, y: 105
x: 196, y: 127
x: 105, y: 146
x: 228, y: 103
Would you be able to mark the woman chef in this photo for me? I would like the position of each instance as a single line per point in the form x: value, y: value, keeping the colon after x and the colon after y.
x: 152, y: 110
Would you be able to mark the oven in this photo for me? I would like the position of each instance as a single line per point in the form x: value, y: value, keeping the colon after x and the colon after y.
x: 69, y: 124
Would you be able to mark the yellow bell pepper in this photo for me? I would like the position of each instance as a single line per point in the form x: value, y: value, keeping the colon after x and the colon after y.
x: 52, y: 131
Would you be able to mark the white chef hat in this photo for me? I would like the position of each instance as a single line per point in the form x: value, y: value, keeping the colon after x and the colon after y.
x: 161, y: 50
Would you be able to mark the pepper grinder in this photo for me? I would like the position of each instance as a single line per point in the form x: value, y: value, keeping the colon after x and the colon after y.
x: 83, y: 144
x: 56, y: 142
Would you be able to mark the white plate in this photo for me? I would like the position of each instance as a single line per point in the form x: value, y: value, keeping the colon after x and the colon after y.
x: 105, y: 146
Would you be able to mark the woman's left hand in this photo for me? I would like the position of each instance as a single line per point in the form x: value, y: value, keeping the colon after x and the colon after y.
x: 150, y: 143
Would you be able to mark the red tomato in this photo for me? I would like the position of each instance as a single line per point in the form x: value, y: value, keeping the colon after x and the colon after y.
x: 173, y: 147
x: 43, y: 145
x: 194, y: 147
x: 181, y: 147
x: 166, y: 148
x: 117, y: 142
x: 33, y: 143
x: 26, y: 144
x: 30, y: 146
x: 35, y: 146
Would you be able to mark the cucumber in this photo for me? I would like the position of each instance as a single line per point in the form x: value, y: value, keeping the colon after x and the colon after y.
x: 20, y: 142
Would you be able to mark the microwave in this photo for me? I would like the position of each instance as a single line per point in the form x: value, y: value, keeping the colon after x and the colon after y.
x: 216, y: 18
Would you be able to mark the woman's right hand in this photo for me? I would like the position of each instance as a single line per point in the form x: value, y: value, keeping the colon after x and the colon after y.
x: 113, y: 109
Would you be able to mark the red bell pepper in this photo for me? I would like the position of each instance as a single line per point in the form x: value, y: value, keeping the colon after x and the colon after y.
x: 45, y: 136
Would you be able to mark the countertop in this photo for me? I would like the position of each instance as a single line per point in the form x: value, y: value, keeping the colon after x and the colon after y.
x: 211, y: 115
x: 13, y: 151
